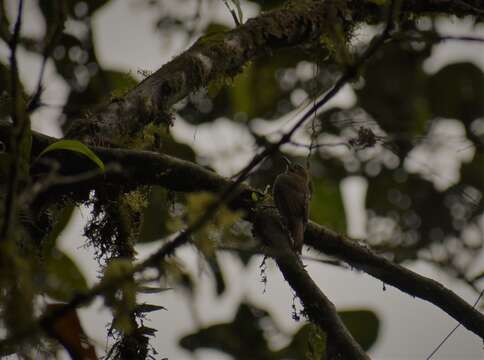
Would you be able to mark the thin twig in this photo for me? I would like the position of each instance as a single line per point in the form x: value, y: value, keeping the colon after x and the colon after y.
x: 18, y: 122
x: 51, y: 40
x: 318, y: 145
x: 232, y: 12
x: 54, y: 179
x: 434, y: 38
x: 273, y: 253
x: 470, y: 7
x: 478, y: 277
x: 352, y: 70
x: 461, y: 38
x: 314, y: 133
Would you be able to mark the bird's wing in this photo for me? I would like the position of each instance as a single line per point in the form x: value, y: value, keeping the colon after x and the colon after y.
x: 306, y: 205
x: 290, y: 196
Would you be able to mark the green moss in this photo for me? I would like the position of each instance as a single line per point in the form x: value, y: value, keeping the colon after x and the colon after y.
x: 211, y: 38
x: 135, y: 200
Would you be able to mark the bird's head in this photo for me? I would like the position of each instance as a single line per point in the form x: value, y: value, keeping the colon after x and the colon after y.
x: 298, y: 170
x: 294, y: 168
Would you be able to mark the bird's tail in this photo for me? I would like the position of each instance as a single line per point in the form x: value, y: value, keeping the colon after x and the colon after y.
x: 296, y: 229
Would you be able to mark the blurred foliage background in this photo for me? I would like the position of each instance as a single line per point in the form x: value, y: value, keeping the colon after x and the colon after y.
x: 415, y: 137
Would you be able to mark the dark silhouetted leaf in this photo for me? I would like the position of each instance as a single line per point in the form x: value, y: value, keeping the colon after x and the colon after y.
x: 457, y: 92
x: 364, y: 325
x: 243, y: 338
x: 63, y: 279
x: 63, y: 216
x: 146, y: 308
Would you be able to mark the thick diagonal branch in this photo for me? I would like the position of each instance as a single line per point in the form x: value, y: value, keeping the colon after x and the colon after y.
x: 317, y: 307
x: 362, y: 258
x: 172, y: 173
x: 222, y: 55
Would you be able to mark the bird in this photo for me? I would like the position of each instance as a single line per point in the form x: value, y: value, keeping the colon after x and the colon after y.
x: 291, y: 192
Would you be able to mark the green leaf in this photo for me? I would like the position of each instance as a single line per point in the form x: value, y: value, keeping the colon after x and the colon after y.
x: 63, y: 279
x: 75, y: 146
x: 309, y: 342
x: 464, y: 99
x: 364, y: 325
x: 326, y: 205
x: 242, y: 338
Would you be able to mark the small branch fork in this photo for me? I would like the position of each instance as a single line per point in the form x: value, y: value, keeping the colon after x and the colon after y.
x: 51, y: 40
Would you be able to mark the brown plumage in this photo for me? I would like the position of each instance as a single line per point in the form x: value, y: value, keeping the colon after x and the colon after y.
x: 291, y: 192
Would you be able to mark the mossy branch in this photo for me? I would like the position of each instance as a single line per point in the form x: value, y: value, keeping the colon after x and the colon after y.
x: 168, y: 172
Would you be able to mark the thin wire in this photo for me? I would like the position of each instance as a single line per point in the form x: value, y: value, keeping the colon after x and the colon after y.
x: 453, y: 330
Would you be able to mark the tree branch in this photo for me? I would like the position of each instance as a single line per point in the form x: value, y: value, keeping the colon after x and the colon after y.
x: 220, y: 55
x: 317, y: 307
x: 170, y: 172
x: 19, y: 122
x: 362, y: 258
